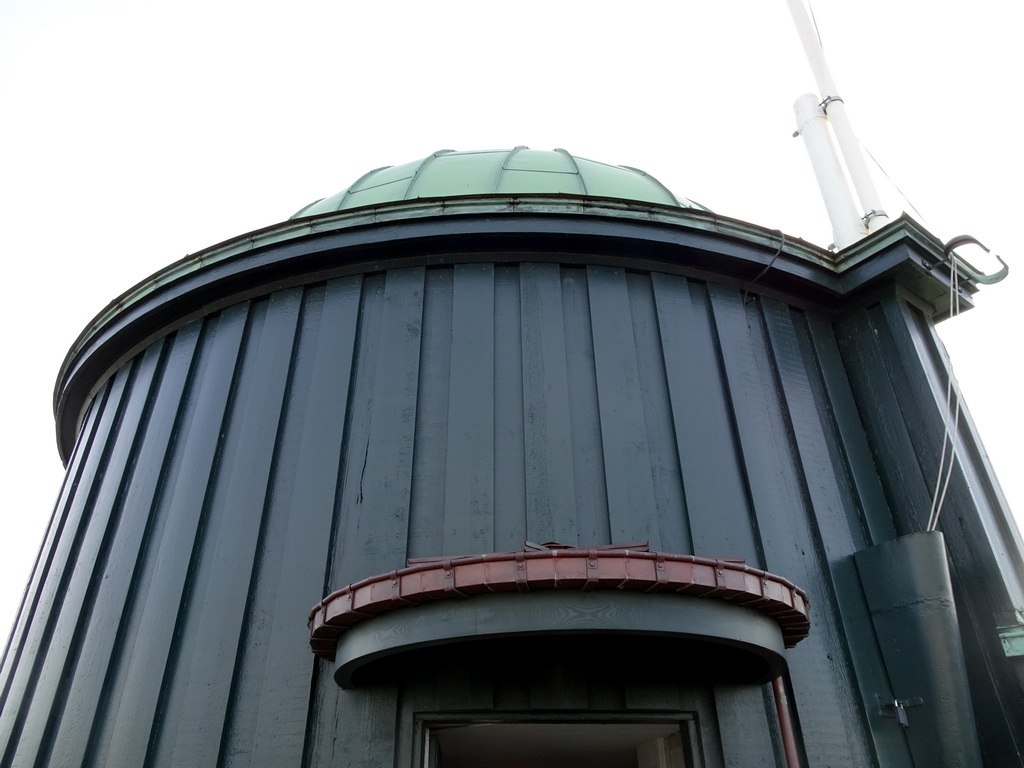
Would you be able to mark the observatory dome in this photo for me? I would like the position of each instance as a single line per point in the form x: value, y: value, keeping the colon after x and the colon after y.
x: 519, y: 171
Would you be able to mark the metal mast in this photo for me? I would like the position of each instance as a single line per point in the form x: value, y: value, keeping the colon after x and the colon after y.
x: 829, y: 170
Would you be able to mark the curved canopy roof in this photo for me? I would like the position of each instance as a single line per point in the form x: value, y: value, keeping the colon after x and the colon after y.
x: 522, y: 170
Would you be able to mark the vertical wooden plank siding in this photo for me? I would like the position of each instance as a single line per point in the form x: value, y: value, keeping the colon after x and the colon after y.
x: 376, y: 533
x: 374, y: 522
x: 980, y: 536
x: 195, y: 698
x: 627, y: 459
x: 850, y: 431
x: 170, y: 557
x: 587, y: 457
x: 819, y: 669
x: 509, y: 428
x: 340, y: 569
x: 47, y: 550
x: 669, y: 507
x: 36, y: 642
x: 375, y: 512
x: 892, y: 446
x: 258, y: 458
x: 271, y: 691
x: 741, y: 709
x: 430, y: 459
x: 550, y: 485
x: 89, y: 693
x: 66, y: 637
x: 837, y: 523
x: 177, y: 381
x: 468, y: 510
x: 717, y: 505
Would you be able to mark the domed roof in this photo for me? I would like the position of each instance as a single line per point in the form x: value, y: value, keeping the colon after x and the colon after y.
x: 518, y: 171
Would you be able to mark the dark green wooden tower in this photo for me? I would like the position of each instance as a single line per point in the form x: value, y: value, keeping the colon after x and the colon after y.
x: 514, y: 458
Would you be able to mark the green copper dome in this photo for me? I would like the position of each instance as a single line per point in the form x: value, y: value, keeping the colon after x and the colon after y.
x: 518, y: 171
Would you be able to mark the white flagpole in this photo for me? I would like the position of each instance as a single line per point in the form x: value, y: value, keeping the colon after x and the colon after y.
x: 872, y: 215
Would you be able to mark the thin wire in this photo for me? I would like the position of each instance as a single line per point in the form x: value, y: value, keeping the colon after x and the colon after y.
x: 896, y: 186
x: 949, y: 436
x: 938, y: 492
x: 814, y: 21
x: 954, y: 386
x: 782, y: 244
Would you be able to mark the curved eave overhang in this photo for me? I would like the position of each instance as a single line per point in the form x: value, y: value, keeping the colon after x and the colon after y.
x: 481, y: 597
x: 496, y: 228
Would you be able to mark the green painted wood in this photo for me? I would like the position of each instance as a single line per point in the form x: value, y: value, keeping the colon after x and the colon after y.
x: 509, y: 430
x: 172, y: 546
x: 703, y: 732
x: 89, y: 695
x: 837, y: 515
x: 430, y: 459
x: 850, y: 432
x: 417, y: 694
x: 44, y: 558
x: 824, y: 692
x: 838, y: 526
x: 270, y: 695
x: 651, y: 691
x: 375, y: 504
x: 627, y: 459
x: 550, y: 483
x: 189, y: 340
x: 458, y: 409
x: 355, y: 729
x: 57, y: 665
x: 1005, y: 538
x: 196, y: 697
x: 347, y: 563
x: 322, y: 716
x: 716, y: 496
x: 669, y: 505
x: 772, y: 718
x: 36, y: 640
x: 998, y: 733
x: 627, y: 615
x: 892, y: 446
x: 587, y: 456
x: 467, y: 515
x: 981, y: 537
x: 993, y: 535
x: 746, y: 740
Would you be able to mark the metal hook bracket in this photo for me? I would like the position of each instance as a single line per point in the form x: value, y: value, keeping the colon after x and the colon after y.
x: 971, y: 273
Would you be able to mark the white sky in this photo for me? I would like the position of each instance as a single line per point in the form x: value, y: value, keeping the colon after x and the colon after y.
x: 133, y: 133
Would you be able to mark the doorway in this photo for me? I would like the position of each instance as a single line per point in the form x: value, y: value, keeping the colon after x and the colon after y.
x: 668, y: 744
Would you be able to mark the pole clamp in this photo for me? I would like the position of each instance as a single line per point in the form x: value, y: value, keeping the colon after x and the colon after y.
x: 829, y: 100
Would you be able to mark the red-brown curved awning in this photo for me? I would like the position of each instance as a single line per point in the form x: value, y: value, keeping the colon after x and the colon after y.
x: 552, y: 566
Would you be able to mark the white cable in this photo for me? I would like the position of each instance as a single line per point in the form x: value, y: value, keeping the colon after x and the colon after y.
x: 952, y: 403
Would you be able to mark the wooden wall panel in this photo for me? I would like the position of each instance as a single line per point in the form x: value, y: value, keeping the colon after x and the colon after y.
x: 46, y: 609
x: 263, y: 456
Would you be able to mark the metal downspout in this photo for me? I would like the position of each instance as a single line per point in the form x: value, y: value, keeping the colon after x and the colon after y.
x: 782, y: 705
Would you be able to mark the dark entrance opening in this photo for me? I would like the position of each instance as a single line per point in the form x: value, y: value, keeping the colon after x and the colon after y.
x: 561, y: 744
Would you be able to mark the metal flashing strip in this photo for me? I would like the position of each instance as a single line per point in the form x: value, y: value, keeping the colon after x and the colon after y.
x: 556, y: 567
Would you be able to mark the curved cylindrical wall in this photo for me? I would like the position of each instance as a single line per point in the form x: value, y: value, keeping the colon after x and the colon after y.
x: 257, y: 457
